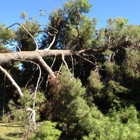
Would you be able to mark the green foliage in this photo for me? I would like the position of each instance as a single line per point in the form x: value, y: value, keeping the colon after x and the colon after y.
x: 117, y: 24
x: 124, y: 115
x: 28, y: 98
x: 94, y: 82
x: 111, y: 68
x: 47, y: 131
x: 78, y: 108
x: 70, y: 21
x: 69, y: 88
x: 131, y: 65
x: 107, y: 53
x: 19, y: 111
x: 133, y: 31
x: 90, y: 120
x: 70, y: 92
x: 83, y: 5
x: 24, y: 40
x: 5, y: 34
x: 116, y: 87
x: 120, y: 125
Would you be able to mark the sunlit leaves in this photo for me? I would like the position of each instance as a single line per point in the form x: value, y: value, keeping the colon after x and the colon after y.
x: 5, y: 34
x: 28, y: 98
x: 82, y: 5
x: 73, y: 25
x: 47, y: 131
x: 69, y: 87
x: 111, y: 68
x: 117, y: 24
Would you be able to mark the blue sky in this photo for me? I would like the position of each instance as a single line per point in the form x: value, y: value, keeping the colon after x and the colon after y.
x: 10, y: 10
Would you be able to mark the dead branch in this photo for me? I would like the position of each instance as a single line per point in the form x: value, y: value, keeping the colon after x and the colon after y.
x: 32, y: 117
x: 72, y: 64
x: 98, y: 51
x: 54, y: 36
x: 53, y: 62
x: 14, y: 45
x: 12, y: 80
x: 47, y: 68
x: 55, y: 30
x: 85, y: 59
x: 37, y: 84
x: 63, y: 59
x: 27, y: 32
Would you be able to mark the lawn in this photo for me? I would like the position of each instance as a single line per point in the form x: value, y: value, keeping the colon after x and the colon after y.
x: 11, y: 132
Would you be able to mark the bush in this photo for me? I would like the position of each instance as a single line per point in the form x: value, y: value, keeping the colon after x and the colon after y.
x: 47, y: 131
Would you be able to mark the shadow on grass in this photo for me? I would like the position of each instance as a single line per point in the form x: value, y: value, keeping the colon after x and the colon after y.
x: 4, y: 138
x: 15, y: 135
x: 11, y: 131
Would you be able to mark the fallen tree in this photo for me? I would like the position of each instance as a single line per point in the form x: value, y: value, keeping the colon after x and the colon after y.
x: 38, y: 55
x: 101, y: 72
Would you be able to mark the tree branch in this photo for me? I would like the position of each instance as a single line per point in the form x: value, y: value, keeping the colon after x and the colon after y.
x: 63, y: 59
x: 37, y: 84
x: 32, y: 117
x: 86, y: 59
x: 47, y: 68
x: 27, y: 32
x: 98, y: 51
x: 12, y: 80
x: 34, y: 55
x: 54, y: 36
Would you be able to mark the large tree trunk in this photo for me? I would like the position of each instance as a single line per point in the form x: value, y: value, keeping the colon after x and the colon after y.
x: 38, y: 55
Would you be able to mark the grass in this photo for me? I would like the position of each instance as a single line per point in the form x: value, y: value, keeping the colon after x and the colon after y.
x: 11, y: 132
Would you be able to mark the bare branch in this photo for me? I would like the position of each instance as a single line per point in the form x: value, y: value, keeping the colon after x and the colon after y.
x: 27, y: 32
x: 60, y: 67
x: 53, y: 62
x: 72, y: 64
x: 32, y: 117
x: 63, y: 59
x: 54, y: 36
x: 56, y: 31
x: 85, y: 59
x: 14, y: 45
x: 47, y: 68
x: 98, y: 51
x: 37, y: 84
x: 12, y: 80
x: 74, y: 47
